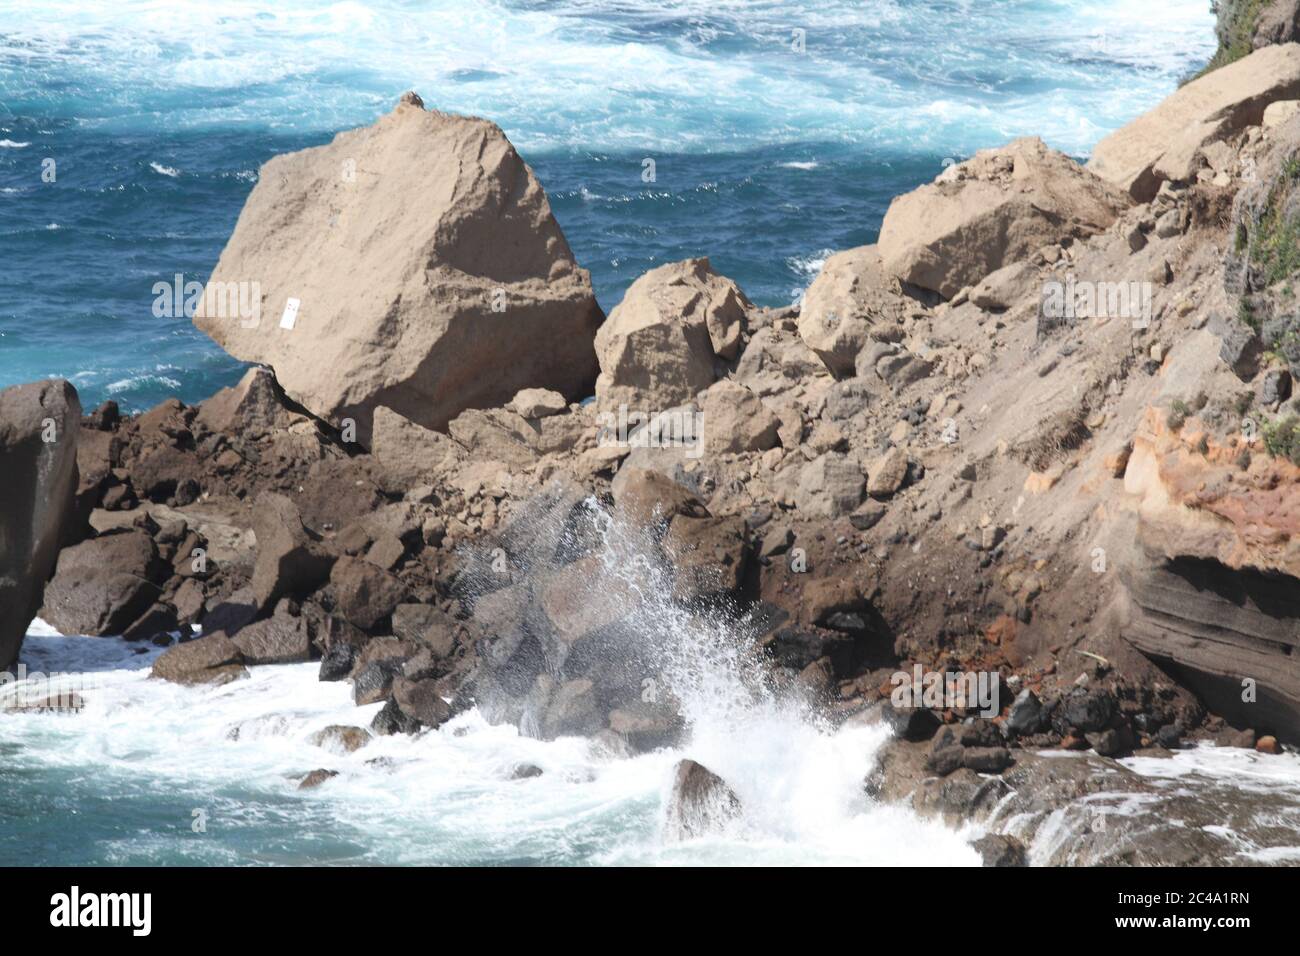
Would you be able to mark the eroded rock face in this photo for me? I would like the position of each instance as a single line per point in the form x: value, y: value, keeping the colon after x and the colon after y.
x: 1069, y: 810
x: 1216, y: 592
x: 660, y: 345
x: 39, y: 425
x: 1259, y: 266
x: 990, y: 211
x: 253, y: 407
x: 1164, y: 143
x: 1279, y: 22
x: 429, y: 274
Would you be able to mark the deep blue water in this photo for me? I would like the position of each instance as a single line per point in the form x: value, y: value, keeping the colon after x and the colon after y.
x: 157, y: 116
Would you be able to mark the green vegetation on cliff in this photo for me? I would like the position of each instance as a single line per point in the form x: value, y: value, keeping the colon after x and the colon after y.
x: 1236, y: 29
x: 1276, y: 251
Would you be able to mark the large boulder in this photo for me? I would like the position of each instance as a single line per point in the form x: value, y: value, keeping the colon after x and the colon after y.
x: 208, y: 660
x: 660, y: 344
x: 291, y: 559
x: 997, y: 207
x: 1164, y: 143
x: 850, y: 296
x: 103, y: 585
x: 413, y: 706
x: 428, y: 272
x: 278, y: 639
x: 38, y: 478
x: 366, y: 594
x: 735, y: 420
x: 830, y: 486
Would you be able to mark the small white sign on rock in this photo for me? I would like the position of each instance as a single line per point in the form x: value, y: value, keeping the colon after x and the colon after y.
x: 290, y: 314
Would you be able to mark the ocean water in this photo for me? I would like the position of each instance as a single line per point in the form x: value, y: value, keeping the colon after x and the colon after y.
x: 779, y: 132
x: 126, y: 780
x: 771, y: 149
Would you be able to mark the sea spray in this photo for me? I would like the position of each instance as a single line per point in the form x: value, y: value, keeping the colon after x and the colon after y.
x: 796, y: 776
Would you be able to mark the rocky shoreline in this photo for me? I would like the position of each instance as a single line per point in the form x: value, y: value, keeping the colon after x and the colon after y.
x: 1041, y: 433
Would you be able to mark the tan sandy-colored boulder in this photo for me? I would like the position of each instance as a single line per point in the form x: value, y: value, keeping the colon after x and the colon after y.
x: 660, y: 344
x: 409, y: 452
x: 736, y: 420
x: 538, y: 403
x: 38, y: 479
x: 1163, y: 144
x: 414, y: 264
x: 850, y: 295
x: 1280, y: 112
x: 997, y: 207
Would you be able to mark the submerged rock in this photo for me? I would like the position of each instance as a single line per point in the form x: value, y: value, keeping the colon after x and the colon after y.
x: 701, y: 802
x: 316, y: 778
x: 995, y: 849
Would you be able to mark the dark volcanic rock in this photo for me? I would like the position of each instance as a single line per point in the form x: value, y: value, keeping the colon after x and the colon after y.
x: 229, y: 615
x: 290, y: 559
x: 374, y: 680
x: 279, y: 639
x: 103, y: 585
x: 986, y: 759
x: 995, y: 849
x: 157, y: 622
x: 208, y: 660
x: 700, y: 802
x: 366, y: 595
x: 1087, y: 710
x: 413, y: 706
x: 337, y: 661
x: 1026, y: 716
x: 38, y: 479
x: 429, y: 626
x: 910, y: 723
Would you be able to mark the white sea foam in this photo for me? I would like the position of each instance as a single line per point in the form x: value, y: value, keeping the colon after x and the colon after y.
x: 449, y: 796
x: 165, y: 170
